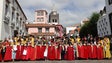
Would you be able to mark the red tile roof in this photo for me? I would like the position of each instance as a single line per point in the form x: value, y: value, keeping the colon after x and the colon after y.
x: 39, y: 25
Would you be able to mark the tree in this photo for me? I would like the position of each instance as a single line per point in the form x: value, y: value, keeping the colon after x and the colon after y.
x: 91, y: 26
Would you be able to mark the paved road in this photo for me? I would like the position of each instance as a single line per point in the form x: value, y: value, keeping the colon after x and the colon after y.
x: 76, y: 61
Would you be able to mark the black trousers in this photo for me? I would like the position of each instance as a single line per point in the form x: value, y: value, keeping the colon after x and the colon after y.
x: 62, y: 54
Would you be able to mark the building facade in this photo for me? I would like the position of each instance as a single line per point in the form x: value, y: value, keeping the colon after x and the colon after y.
x: 43, y: 27
x: 84, y: 21
x: 54, y: 17
x: 12, y: 19
x: 73, y: 30
x: 104, y: 24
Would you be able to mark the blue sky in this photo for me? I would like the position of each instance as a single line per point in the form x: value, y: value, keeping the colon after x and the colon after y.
x: 71, y: 11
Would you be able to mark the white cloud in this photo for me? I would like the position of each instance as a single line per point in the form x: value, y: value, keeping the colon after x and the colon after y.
x: 71, y: 11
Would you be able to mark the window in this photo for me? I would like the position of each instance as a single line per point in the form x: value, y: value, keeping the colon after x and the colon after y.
x: 12, y: 16
x: 13, y: 1
x: 47, y: 29
x: 6, y: 9
x: 106, y: 24
x: 39, y: 30
x: 110, y: 2
x: 104, y: 33
x: 40, y: 19
x: 40, y: 13
x: 55, y: 20
x: 20, y: 21
x: 104, y: 19
x: 107, y: 32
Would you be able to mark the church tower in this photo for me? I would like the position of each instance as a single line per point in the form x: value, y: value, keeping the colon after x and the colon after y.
x: 54, y: 17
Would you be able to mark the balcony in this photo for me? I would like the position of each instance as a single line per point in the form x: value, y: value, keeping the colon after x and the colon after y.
x: 12, y: 23
x: 17, y: 25
x: 6, y: 19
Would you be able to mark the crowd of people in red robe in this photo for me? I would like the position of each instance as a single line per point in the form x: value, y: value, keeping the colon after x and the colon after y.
x: 20, y: 49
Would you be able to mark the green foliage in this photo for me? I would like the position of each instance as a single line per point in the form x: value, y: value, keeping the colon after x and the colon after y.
x: 0, y: 40
x: 91, y: 26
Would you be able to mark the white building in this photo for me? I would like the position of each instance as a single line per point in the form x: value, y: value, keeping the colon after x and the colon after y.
x: 12, y: 19
x: 86, y: 20
x: 104, y: 24
x: 68, y: 29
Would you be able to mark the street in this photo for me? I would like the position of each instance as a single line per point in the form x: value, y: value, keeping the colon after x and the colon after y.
x: 63, y: 61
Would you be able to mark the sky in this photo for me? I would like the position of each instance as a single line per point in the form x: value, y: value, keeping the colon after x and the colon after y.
x: 70, y: 11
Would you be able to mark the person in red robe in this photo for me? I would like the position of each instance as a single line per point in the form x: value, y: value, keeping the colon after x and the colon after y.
x: 42, y: 51
x: 53, y: 55
x: 49, y: 52
x: 99, y: 52
x: 62, y: 52
x: 8, y: 53
x: 70, y: 53
x: 94, y: 52
x: 22, y: 49
x: 38, y: 52
x: 58, y: 52
x: 85, y: 51
x: 18, y: 52
x: 0, y: 57
x: 3, y: 51
x: 0, y: 52
x: 66, y: 52
x: 81, y: 51
x: 33, y: 51
x: 29, y: 52
x: 25, y: 53
x: 89, y: 51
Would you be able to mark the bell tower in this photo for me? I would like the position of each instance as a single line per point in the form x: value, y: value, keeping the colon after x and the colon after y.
x: 54, y: 16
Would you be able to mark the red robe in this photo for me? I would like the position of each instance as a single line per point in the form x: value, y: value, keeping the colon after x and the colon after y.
x: 66, y: 52
x: 70, y: 53
x: 22, y: 49
x: 29, y: 52
x: 33, y: 52
x: 89, y: 51
x: 58, y: 53
x: 18, y: 52
x: 8, y: 54
x: 27, y: 57
x: 38, y: 52
x: 51, y: 53
x: 81, y: 51
x: 94, y: 52
x: 0, y: 57
x: 24, y: 57
x: 85, y: 52
x: 99, y: 52
x: 42, y: 51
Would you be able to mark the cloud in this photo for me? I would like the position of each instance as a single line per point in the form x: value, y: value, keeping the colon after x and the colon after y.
x: 70, y: 11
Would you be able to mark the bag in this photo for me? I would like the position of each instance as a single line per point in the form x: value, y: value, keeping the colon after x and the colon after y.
x: 24, y: 52
x: 15, y: 48
x: 45, y: 53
